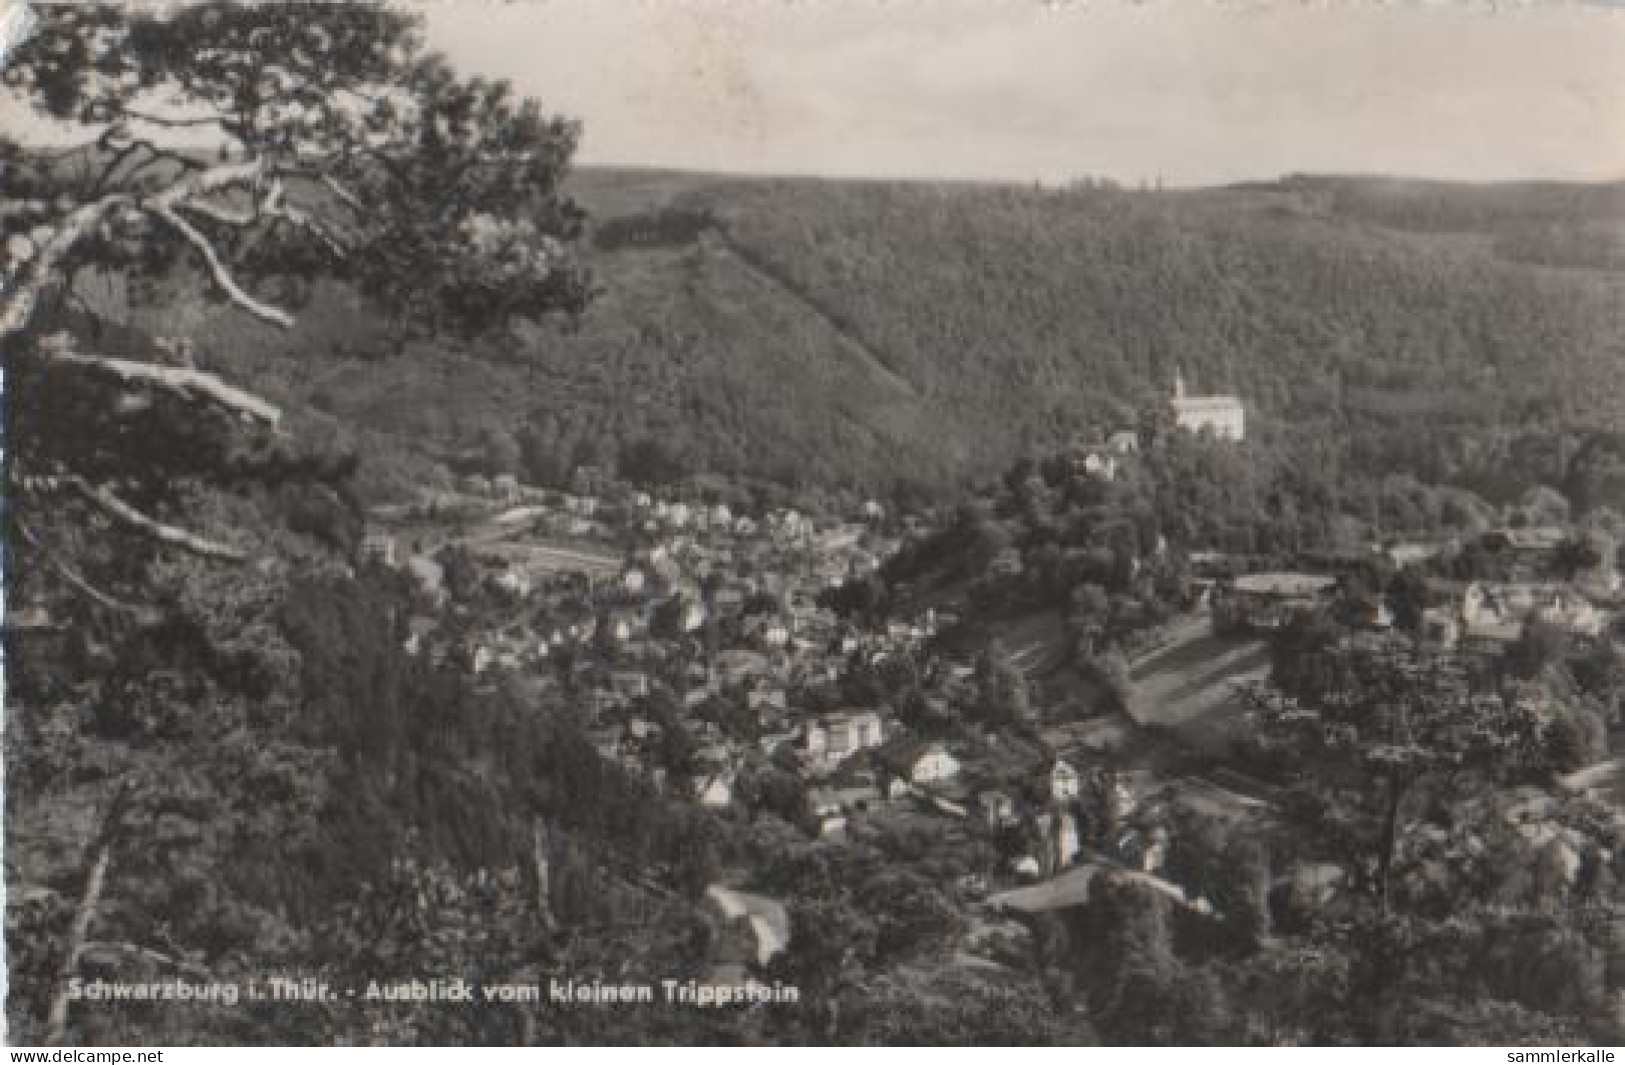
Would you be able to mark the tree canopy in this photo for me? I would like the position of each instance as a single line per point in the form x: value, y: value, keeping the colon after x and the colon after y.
x: 262, y: 146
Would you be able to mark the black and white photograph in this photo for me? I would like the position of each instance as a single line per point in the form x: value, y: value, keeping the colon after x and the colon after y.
x: 856, y: 523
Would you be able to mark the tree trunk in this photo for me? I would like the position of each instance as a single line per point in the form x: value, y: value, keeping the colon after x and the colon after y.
x: 1390, y: 839
x: 56, y: 1022
x: 541, y: 869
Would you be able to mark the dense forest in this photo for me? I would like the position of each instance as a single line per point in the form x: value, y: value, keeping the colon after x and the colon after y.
x: 868, y: 335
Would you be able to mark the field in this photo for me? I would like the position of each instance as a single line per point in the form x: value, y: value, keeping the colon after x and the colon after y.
x: 1188, y: 685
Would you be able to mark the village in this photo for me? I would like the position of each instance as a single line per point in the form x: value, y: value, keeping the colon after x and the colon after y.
x: 702, y: 651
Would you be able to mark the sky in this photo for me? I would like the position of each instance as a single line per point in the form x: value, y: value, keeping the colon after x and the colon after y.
x: 1192, y: 92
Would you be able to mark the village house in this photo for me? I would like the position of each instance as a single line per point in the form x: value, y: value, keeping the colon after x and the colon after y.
x: 716, y: 791
x: 1095, y: 459
x: 1065, y: 783
x: 607, y: 742
x: 1572, y: 613
x: 1441, y: 628
x: 920, y: 762
x: 1263, y: 601
x: 505, y: 486
x: 829, y: 802
x: 814, y: 745
x: 628, y: 624
x: 1124, y: 441
x: 772, y: 742
x: 418, y: 630
x: 1405, y: 554
x: 1372, y: 612
x: 1602, y: 579
x: 664, y: 564
x: 1100, y: 462
x: 1498, y: 612
x: 771, y: 632
x: 429, y: 576
x: 1026, y: 867
x: 1094, y: 735
x: 829, y: 741
x: 583, y: 505
x: 736, y: 664
x: 378, y: 546
x: 1531, y: 541
x: 832, y: 827
x: 1223, y: 416
x: 766, y: 699
x: 512, y: 583
x: 998, y: 808
x: 629, y: 685
x: 1061, y: 843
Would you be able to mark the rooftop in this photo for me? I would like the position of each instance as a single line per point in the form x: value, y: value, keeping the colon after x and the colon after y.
x: 1284, y: 584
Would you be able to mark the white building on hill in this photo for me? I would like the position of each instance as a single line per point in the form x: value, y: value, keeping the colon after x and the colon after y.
x: 1223, y: 416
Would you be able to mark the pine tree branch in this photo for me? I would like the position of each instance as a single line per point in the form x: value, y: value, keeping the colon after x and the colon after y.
x: 120, y: 133
x: 172, y: 535
x: 276, y: 206
x: 71, y: 577
x: 205, y: 182
x: 224, y: 215
x: 222, y: 276
x: 174, y: 123
x: 345, y: 196
x: 120, y: 156
x: 45, y: 271
x: 192, y: 385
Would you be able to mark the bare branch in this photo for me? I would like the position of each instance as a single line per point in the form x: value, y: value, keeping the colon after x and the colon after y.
x: 275, y: 206
x: 174, y: 123
x: 225, y: 176
x: 224, y: 215
x: 194, y: 385
x: 345, y: 196
x: 168, y: 534
x: 222, y: 276
x: 132, y: 145
x: 45, y: 271
x: 71, y: 577
x: 126, y: 952
x: 117, y: 161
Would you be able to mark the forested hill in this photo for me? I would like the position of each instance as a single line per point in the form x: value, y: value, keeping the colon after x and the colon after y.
x: 860, y: 333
